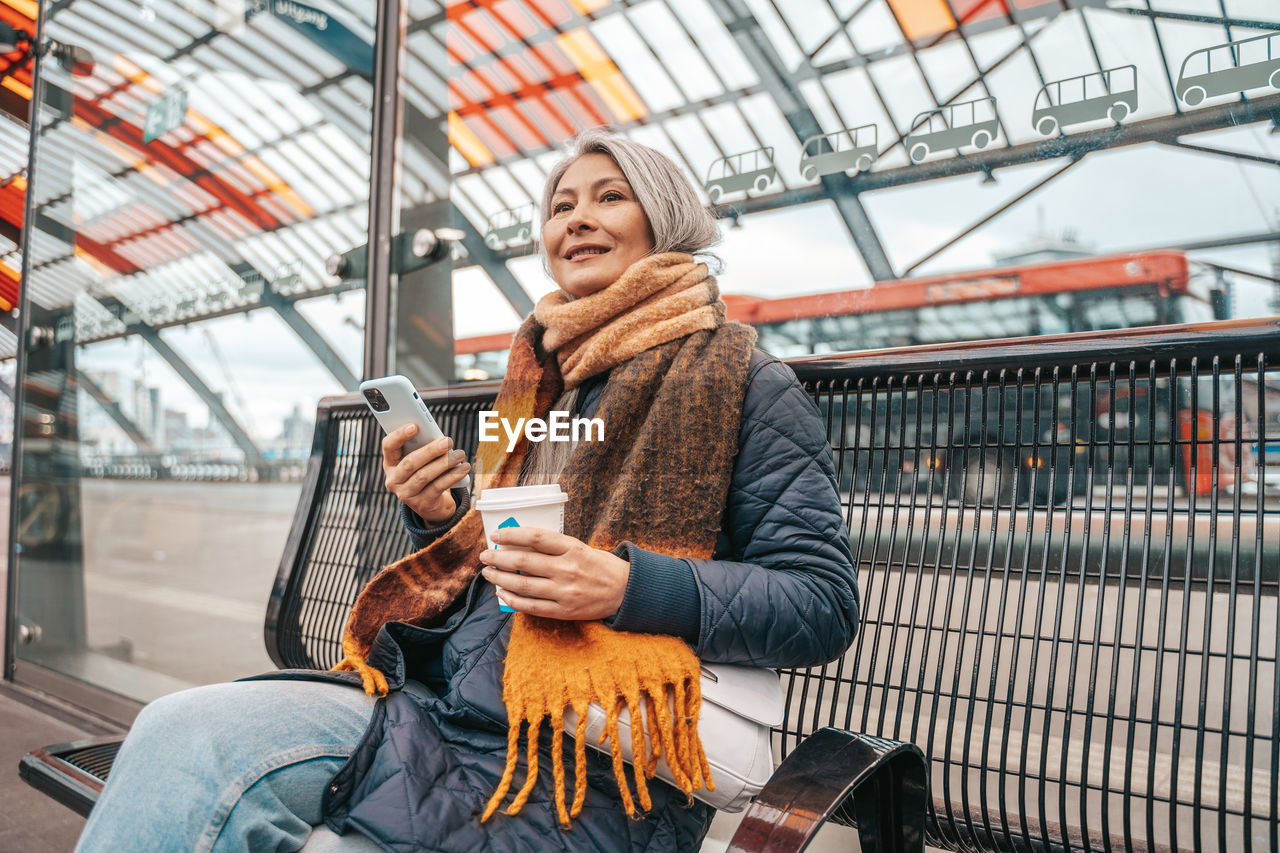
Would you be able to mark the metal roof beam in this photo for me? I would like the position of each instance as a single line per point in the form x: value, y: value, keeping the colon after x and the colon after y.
x: 301, y: 326
x: 842, y: 189
x: 1225, y: 20
x: 1150, y: 130
x: 343, y: 287
x: 1016, y: 200
x: 315, y: 341
x: 252, y: 455
x: 1222, y: 152
x: 1214, y: 243
x: 1162, y: 130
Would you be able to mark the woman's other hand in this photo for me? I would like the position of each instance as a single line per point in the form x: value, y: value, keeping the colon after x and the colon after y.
x: 560, y: 578
x: 422, y: 479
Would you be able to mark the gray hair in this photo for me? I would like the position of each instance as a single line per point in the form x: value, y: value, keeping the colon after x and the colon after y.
x: 677, y: 217
x: 546, y: 460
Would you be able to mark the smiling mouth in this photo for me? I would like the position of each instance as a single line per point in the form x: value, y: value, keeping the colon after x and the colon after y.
x: 583, y: 254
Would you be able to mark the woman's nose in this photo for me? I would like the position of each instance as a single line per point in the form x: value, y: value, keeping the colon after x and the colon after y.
x: 580, y: 221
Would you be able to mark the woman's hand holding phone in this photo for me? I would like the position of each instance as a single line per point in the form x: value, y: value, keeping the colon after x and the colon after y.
x: 422, y: 479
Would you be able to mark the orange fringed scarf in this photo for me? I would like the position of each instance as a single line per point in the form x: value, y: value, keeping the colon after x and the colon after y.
x: 660, y: 479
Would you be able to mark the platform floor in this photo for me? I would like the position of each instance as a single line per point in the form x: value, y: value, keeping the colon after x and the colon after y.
x: 30, y: 822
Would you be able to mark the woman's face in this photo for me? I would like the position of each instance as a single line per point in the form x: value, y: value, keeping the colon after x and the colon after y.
x: 597, y: 228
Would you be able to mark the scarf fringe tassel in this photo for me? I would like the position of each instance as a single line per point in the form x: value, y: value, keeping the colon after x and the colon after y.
x: 374, y: 682
x: 668, y: 731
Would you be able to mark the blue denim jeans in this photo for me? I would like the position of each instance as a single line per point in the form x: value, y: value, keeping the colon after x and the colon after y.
x: 230, y: 767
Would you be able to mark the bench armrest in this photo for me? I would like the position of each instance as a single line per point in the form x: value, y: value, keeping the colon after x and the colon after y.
x: 881, y: 785
x: 72, y: 773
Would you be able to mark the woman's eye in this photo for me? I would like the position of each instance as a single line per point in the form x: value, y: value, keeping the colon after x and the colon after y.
x: 561, y: 207
x: 613, y: 196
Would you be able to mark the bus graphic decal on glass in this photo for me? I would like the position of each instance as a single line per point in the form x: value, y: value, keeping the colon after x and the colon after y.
x: 741, y: 172
x: 1111, y: 93
x: 1228, y: 68
x: 967, y: 123
x: 850, y: 148
x: 510, y: 227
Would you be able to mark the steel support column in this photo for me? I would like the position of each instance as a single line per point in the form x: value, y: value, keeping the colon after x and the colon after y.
x: 384, y: 168
x: 493, y: 263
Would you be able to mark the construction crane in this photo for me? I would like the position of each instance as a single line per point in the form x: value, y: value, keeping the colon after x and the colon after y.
x: 245, y: 413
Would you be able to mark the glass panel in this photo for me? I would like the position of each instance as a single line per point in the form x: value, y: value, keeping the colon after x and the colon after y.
x: 195, y: 165
x: 955, y: 146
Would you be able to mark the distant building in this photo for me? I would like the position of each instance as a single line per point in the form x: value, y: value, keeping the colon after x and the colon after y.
x: 1043, y: 248
x: 177, y: 431
x: 147, y: 416
x: 297, y: 429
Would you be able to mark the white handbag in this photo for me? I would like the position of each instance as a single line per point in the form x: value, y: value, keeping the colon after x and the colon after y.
x: 740, y: 704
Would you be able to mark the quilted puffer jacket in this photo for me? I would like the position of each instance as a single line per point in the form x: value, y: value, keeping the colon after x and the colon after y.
x: 780, y: 591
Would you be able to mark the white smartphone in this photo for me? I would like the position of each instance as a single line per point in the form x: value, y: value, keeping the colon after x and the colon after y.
x: 394, y: 402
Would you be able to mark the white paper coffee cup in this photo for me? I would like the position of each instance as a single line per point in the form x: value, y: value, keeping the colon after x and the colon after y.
x: 521, y: 506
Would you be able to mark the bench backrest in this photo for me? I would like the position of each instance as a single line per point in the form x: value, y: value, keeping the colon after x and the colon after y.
x: 347, y: 525
x: 1064, y: 605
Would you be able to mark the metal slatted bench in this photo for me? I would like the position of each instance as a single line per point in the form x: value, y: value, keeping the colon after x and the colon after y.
x: 1068, y: 552
x: 347, y: 526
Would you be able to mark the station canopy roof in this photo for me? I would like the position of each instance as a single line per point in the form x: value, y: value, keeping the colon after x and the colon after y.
x: 268, y: 172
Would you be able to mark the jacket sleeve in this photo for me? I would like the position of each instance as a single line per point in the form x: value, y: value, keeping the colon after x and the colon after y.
x: 783, y: 591
x: 420, y: 534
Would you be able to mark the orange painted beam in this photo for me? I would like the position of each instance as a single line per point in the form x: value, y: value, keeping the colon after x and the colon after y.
x: 926, y: 20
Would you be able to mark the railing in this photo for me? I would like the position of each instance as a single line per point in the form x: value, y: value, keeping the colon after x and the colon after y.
x: 1067, y: 553
x: 1069, y: 604
x: 151, y: 467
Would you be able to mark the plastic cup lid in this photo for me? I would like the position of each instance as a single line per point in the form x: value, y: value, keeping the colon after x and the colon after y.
x: 516, y: 497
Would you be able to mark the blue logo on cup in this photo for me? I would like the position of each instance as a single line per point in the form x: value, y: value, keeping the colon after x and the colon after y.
x: 510, y: 522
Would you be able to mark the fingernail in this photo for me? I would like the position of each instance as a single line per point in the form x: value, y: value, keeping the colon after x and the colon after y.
x: 410, y: 429
x: 457, y: 456
x: 445, y: 443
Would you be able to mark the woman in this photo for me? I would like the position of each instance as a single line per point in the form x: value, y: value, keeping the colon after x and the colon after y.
x: 706, y: 525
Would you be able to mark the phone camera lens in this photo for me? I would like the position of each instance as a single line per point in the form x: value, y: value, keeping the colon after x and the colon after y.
x: 376, y: 400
